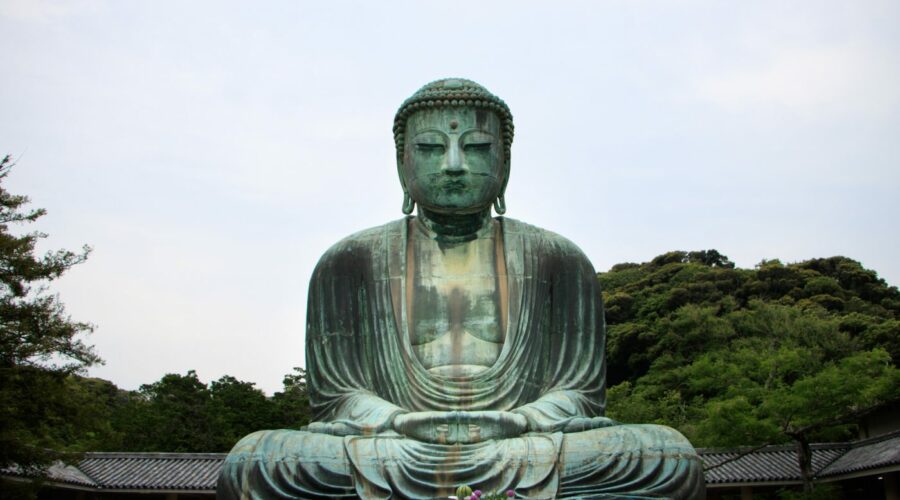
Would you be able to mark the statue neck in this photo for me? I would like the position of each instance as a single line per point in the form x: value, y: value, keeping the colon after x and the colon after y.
x: 455, y: 228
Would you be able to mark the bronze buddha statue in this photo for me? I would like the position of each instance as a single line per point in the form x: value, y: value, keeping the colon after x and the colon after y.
x: 453, y: 347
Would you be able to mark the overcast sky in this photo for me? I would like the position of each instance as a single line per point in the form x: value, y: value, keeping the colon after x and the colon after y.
x: 211, y: 151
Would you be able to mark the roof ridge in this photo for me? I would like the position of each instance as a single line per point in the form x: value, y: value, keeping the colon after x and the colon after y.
x: 772, y: 448
x: 867, y: 454
x: 93, y: 479
x: 148, y: 455
x: 875, y: 439
x: 815, y: 473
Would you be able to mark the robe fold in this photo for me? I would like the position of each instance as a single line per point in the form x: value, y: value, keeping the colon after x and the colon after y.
x: 363, y: 372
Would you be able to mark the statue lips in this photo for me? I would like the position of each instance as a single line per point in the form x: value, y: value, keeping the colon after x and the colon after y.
x: 454, y: 185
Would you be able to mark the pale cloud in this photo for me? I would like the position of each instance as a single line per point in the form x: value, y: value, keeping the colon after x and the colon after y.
x: 831, y: 79
x: 210, y: 152
x: 42, y: 10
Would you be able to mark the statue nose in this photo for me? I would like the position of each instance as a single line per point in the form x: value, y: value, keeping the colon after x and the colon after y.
x: 454, y: 165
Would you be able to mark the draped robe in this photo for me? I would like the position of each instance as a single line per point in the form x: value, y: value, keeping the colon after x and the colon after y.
x: 363, y: 372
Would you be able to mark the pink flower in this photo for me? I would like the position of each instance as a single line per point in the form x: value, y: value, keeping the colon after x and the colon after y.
x: 510, y: 493
x: 477, y: 493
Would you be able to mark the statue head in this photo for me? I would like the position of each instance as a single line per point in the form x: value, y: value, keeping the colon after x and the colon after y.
x: 453, y: 141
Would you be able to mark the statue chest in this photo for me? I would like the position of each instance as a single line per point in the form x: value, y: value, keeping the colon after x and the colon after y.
x: 455, y: 306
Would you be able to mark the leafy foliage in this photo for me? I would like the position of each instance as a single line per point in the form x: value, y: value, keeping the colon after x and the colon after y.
x: 292, y: 409
x: 40, y: 346
x: 180, y: 413
x: 34, y: 329
x: 737, y: 357
x: 48, y: 411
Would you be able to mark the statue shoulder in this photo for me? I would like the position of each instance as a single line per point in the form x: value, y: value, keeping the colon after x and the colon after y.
x: 362, y: 244
x: 547, y: 240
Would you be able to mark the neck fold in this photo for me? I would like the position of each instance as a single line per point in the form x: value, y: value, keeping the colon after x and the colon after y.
x: 453, y: 228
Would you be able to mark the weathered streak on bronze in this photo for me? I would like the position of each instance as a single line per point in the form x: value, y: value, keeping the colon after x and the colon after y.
x: 455, y: 348
x: 455, y: 314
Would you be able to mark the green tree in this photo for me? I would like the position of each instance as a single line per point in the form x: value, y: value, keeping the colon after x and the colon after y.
x: 735, y: 357
x: 179, y: 413
x: 292, y: 404
x: 173, y: 415
x: 238, y: 408
x: 40, y: 345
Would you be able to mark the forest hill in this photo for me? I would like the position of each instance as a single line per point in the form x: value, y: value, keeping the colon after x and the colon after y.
x: 746, y: 357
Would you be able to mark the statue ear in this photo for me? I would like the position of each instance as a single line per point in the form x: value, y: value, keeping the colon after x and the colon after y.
x: 408, y: 203
x: 400, y: 171
x: 500, y: 202
x: 500, y: 205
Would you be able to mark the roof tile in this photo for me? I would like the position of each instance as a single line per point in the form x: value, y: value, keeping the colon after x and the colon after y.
x: 181, y: 471
x: 868, y: 454
x: 200, y: 471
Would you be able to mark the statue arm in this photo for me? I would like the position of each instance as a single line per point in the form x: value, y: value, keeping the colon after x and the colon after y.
x: 560, y: 411
x: 342, y: 398
x: 574, y: 397
x: 339, y: 334
x: 358, y: 413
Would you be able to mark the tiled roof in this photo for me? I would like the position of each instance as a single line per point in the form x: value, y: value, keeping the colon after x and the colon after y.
x: 882, y: 451
x: 169, y: 471
x: 199, y: 471
x: 769, y: 464
x: 58, y: 472
x: 70, y: 474
x: 137, y: 471
x: 779, y: 463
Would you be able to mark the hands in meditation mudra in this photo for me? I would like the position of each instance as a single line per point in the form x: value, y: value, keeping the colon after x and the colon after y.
x: 452, y: 348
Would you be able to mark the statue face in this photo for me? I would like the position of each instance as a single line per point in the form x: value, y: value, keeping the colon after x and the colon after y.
x: 453, y: 161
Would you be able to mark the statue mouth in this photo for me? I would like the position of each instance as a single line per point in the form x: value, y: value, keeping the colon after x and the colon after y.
x: 454, y: 185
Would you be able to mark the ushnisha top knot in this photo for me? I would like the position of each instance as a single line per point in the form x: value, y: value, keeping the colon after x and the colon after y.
x: 454, y: 92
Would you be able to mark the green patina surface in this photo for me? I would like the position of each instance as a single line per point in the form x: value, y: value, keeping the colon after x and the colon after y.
x: 451, y: 347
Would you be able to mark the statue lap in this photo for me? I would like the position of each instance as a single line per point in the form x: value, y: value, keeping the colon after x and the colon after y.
x: 630, y: 461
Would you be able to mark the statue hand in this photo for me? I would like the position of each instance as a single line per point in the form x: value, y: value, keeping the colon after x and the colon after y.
x: 459, y: 427
x: 573, y: 424
x: 580, y: 424
x: 341, y: 428
x: 487, y: 425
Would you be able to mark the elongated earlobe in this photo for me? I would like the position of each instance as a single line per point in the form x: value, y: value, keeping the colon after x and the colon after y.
x: 408, y: 203
x: 500, y: 205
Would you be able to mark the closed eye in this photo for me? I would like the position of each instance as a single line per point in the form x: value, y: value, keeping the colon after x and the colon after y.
x: 477, y: 147
x: 430, y: 147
